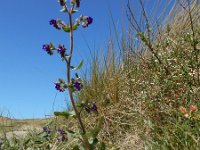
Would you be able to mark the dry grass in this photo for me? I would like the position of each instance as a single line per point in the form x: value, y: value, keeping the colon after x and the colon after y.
x: 8, y: 125
x: 133, y: 95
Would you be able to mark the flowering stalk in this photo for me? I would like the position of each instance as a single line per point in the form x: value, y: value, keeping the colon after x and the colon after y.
x: 68, y: 62
x: 71, y: 83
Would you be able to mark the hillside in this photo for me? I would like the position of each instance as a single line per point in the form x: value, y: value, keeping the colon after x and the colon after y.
x: 9, y: 125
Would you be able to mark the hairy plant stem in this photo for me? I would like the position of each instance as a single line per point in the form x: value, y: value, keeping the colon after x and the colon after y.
x: 68, y: 62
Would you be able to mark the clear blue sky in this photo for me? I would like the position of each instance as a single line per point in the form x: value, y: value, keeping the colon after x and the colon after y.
x: 27, y: 73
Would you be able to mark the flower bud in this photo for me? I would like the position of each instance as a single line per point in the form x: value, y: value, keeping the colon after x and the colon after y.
x: 186, y: 116
x: 86, y: 20
x: 62, y: 135
x: 60, y: 85
x: 183, y: 110
x: 46, y: 129
x: 77, y: 85
x: 48, y: 48
x: 77, y: 2
x: 61, y: 50
x: 56, y: 23
x: 193, y: 108
x: 91, y: 107
x: 62, y: 2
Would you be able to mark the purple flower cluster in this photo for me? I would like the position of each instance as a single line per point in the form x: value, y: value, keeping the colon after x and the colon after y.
x: 46, y: 129
x: 55, y: 23
x: 62, y: 135
x: 61, y: 50
x: 60, y: 85
x: 91, y: 108
x: 77, y: 84
x: 58, y: 24
x: 48, y: 48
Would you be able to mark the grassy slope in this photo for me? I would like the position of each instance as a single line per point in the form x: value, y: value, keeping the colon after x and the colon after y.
x: 140, y: 100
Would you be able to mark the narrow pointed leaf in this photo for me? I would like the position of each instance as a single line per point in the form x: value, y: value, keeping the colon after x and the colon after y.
x: 63, y: 10
x: 75, y: 26
x: 66, y: 28
x: 79, y: 66
x: 65, y: 114
x: 74, y: 11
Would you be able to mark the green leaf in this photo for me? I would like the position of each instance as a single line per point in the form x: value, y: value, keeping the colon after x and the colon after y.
x: 76, y: 74
x: 94, y: 132
x: 65, y: 114
x: 101, y: 146
x: 27, y: 141
x: 76, y: 147
x: 63, y: 10
x: 67, y: 56
x: 70, y: 131
x: 93, y: 141
x: 72, y: 67
x: 74, y: 11
x: 66, y: 28
x: 38, y: 142
x: 79, y: 66
x: 75, y: 26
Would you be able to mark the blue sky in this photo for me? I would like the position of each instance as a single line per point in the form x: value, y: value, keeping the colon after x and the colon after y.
x: 27, y: 73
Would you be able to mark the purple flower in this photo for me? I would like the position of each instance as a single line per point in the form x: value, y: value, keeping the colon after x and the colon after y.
x: 61, y: 50
x: 60, y: 85
x: 62, y: 135
x: 62, y: 2
x: 55, y: 23
x: 77, y: 85
x: 77, y: 2
x: 59, y: 88
x: 47, y: 129
x: 86, y: 21
x: 62, y: 138
x: 91, y: 109
x: 89, y: 20
x: 94, y: 108
x: 48, y: 48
